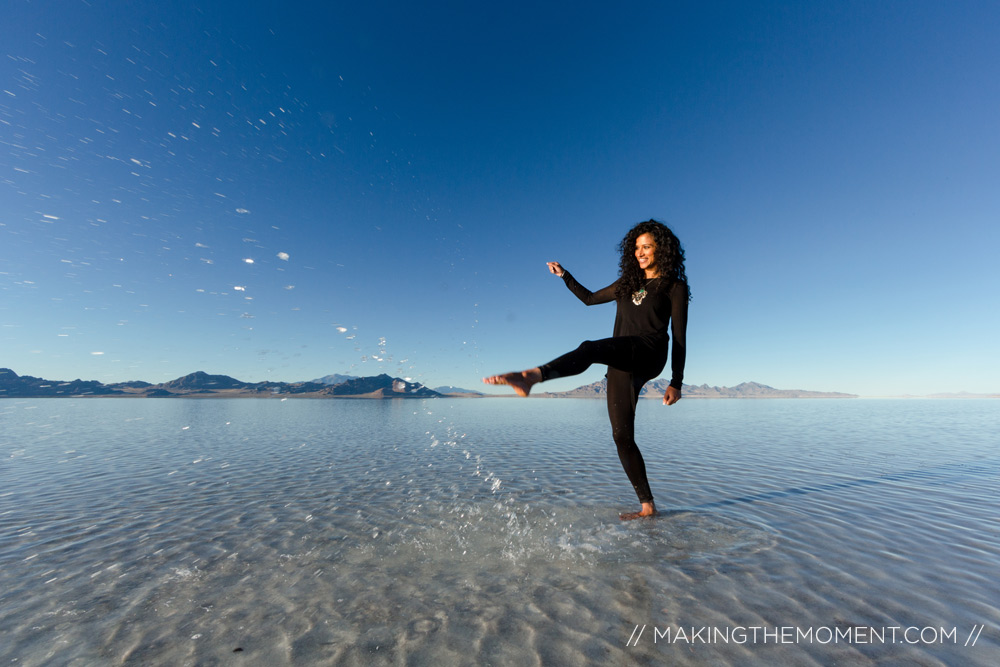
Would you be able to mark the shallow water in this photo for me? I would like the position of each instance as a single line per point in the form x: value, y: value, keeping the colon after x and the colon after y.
x: 443, y: 532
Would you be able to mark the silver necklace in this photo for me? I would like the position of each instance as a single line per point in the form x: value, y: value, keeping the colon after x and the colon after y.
x: 637, y: 297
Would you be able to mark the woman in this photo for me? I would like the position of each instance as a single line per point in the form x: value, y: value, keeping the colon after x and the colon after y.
x: 652, y: 297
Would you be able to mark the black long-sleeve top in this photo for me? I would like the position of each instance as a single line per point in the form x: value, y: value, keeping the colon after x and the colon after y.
x: 662, y: 312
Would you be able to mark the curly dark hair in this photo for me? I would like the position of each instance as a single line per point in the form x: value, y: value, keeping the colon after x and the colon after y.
x: 669, y: 257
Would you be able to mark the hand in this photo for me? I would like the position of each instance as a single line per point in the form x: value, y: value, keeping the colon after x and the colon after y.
x: 556, y: 268
x: 671, y: 395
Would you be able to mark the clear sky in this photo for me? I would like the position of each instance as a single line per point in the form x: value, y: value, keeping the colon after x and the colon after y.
x: 282, y: 190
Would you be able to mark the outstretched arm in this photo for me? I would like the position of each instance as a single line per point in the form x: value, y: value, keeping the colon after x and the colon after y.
x: 605, y: 295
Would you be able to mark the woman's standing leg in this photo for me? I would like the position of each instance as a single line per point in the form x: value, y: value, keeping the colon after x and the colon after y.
x: 623, y: 392
x: 623, y: 395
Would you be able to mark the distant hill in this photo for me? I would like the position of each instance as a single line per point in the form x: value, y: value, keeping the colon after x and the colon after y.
x: 381, y: 386
x: 202, y: 381
x: 336, y: 378
x: 655, y: 389
x: 448, y: 389
x: 756, y: 390
x: 12, y: 384
x: 203, y: 385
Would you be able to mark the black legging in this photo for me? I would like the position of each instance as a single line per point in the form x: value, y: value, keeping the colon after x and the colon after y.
x: 631, y: 364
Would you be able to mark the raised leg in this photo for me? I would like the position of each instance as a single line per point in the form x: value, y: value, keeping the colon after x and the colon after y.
x: 521, y: 381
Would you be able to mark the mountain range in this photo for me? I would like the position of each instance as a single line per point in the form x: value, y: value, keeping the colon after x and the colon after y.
x: 203, y: 385
x: 655, y: 389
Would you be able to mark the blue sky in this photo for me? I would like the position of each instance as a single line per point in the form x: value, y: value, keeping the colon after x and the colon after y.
x: 399, y: 175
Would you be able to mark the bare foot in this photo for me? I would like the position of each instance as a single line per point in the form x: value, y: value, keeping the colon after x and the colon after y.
x: 648, y: 510
x: 521, y: 382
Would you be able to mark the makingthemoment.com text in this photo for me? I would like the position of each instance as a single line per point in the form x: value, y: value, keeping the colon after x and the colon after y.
x: 852, y: 634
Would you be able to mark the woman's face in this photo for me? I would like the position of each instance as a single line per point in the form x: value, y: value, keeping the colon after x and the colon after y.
x: 645, y: 251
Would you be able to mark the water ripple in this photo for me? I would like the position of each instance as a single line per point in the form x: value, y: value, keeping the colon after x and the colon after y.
x: 164, y: 532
